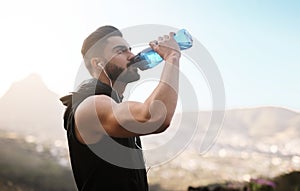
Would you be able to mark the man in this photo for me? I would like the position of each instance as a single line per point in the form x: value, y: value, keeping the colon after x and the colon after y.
x: 96, y: 120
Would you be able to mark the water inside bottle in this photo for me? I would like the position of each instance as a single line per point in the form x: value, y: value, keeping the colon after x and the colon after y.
x: 184, y: 39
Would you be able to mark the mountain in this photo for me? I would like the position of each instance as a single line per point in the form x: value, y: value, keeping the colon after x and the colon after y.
x: 251, y: 126
x: 30, y: 108
x: 268, y: 124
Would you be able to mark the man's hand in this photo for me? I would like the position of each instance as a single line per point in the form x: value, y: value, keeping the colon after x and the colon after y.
x: 166, y: 47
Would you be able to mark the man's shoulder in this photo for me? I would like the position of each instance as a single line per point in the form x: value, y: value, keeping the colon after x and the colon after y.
x: 94, y: 106
x: 94, y: 100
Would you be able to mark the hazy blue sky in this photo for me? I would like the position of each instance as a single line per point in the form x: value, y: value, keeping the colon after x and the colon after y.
x: 255, y: 44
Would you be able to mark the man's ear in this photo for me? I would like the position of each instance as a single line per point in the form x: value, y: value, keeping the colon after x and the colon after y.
x: 97, y: 62
x: 94, y: 61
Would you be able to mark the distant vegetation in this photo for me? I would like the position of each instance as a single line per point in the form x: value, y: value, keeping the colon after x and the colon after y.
x: 285, y: 182
x: 22, y: 168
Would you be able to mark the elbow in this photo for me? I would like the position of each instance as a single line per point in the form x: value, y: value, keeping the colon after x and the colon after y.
x: 163, y: 127
x: 165, y: 123
x: 160, y: 120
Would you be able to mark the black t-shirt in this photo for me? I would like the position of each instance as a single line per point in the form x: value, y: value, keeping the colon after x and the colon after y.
x: 91, y: 172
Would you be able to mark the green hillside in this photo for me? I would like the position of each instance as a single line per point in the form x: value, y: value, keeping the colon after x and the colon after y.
x: 23, y: 168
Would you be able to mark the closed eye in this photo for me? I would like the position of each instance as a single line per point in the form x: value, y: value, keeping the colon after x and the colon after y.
x: 121, y: 49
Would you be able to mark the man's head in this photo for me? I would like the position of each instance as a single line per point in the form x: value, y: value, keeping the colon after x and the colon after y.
x: 105, y: 49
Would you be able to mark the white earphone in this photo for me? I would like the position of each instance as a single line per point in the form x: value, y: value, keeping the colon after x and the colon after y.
x: 99, y: 64
x: 111, y: 85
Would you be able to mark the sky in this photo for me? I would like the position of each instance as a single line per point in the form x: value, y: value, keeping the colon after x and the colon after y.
x: 255, y: 44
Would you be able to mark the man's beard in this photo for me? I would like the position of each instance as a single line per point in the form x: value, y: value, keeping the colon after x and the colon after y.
x: 120, y: 74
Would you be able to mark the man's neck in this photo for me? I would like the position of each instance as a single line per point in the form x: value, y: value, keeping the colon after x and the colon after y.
x: 119, y: 87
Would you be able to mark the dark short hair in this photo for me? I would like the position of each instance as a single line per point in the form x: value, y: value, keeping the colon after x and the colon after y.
x: 101, y: 34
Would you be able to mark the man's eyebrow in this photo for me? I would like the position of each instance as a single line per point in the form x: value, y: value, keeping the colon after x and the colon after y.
x: 120, y: 47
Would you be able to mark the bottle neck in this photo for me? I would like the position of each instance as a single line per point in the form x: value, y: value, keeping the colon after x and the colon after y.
x: 139, y: 61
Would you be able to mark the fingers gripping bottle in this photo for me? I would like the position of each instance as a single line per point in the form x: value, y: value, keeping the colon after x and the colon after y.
x: 148, y: 58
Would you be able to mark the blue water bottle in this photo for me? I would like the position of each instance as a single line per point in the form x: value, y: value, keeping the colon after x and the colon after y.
x: 148, y: 58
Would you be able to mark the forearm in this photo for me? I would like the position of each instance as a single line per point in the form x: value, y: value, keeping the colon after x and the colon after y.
x: 166, y: 91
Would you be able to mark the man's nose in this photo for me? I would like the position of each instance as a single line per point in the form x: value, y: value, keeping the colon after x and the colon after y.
x: 131, y: 56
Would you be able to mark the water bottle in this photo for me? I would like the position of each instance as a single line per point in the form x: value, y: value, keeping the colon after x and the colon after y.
x: 148, y: 58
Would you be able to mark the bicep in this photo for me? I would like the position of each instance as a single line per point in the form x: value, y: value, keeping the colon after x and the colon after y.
x: 128, y: 119
x: 101, y: 114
